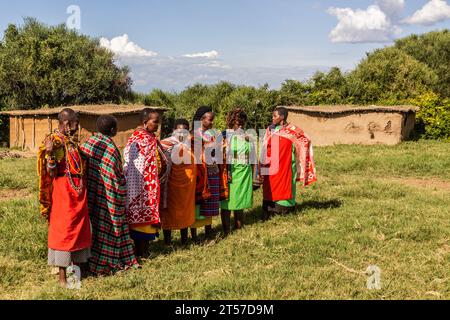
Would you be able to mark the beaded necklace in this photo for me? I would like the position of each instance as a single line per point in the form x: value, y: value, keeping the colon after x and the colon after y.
x: 72, y: 165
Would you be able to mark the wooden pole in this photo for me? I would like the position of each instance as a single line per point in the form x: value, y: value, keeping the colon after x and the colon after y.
x: 50, y: 127
x: 23, y: 132
x: 16, y: 138
x: 34, y: 133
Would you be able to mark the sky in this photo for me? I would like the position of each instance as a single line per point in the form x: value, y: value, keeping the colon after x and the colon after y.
x: 171, y: 44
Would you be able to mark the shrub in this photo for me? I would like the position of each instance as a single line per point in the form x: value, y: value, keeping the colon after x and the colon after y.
x: 434, y: 116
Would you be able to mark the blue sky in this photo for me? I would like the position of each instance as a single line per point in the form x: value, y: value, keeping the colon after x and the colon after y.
x: 171, y: 44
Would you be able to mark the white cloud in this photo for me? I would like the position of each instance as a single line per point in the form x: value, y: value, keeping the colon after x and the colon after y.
x: 122, y: 46
x: 431, y: 13
x: 214, y: 64
x: 149, y: 70
x: 370, y: 25
x: 209, y: 55
x: 176, y: 73
x: 392, y: 8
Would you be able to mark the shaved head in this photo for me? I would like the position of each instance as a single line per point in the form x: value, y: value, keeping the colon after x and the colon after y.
x: 107, y: 125
x: 283, y: 112
x: 67, y: 115
x: 147, y: 114
x: 68, y: 122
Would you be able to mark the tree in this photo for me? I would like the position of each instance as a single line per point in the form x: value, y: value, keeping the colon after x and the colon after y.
x: 258, y: 103
x: 432, y: 49
x: 389, y: 76
x: 159, y: 98
x: 328, y: 88
x: 294, y: 92
x: 42, y: 65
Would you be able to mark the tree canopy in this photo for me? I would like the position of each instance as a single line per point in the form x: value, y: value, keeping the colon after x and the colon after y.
x: 51, y: 65
x: 389, y: 76
x: 432, y: 49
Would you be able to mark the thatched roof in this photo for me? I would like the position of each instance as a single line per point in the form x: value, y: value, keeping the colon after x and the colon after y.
x: 94, y: 110
x: 345, y: 109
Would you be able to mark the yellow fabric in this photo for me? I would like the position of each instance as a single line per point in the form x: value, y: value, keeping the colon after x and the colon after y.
x: 158, y: 162
x: 45, y: 180
x: 148, y: 229
x: 202, y: 223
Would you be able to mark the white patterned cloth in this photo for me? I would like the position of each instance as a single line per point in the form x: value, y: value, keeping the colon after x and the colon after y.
x: 141, y: 173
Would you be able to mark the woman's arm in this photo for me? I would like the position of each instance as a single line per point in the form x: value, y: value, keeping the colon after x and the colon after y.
x: 50, y: 161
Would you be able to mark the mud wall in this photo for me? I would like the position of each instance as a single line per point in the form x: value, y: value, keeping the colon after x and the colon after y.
x: 27, y: 133
x: 365, y: 128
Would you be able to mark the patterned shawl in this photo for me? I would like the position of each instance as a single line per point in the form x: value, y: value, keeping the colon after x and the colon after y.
x: 105, y: 170
x: 304, y: 155
x: 141, y: 172
x: 112, y: 248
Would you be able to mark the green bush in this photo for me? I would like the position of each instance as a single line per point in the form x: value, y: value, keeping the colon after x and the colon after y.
x: 391, y: 76
x: 433, y: 116
x: 51, y: 65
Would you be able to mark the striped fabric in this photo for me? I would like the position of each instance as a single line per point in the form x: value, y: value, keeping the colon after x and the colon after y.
x: 211, y: 206
x: 112, y: 248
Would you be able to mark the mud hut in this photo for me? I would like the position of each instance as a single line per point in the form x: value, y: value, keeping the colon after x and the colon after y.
x: 28, y: 128
x: 329, y: 125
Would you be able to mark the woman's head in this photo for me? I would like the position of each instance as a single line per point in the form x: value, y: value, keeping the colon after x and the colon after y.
x: 205, y: 116
x: 280, y: 116
x: 181, y: 129
x: 181, y: 124
x: 150, y: 120
x: 107, y: 125
x: 68, y: 122
x: 236, y: 119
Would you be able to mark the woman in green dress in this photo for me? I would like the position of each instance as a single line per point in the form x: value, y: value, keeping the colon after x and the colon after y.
x: 239, y: 150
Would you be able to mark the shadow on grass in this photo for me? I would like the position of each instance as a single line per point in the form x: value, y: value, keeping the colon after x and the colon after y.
x: 329, y: 204
x: 253, y: 216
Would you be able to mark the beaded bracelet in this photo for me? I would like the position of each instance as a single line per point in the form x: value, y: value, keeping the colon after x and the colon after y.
x: 51, y: 163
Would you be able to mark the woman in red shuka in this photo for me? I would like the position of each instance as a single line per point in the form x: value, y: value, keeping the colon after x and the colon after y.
x: 287, y: 159
x: 63, y: 196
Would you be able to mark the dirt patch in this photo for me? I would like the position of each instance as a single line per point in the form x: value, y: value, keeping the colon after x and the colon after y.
x: 6, y: 154
x: 423, y: 183
x: 10, y: 194
x: 26, y: 154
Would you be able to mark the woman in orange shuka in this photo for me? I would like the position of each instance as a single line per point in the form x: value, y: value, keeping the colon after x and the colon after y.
x: 179, y: 191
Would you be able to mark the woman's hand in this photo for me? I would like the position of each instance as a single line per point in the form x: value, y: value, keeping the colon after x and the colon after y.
x: 260, y: 179
x: 49, y: 144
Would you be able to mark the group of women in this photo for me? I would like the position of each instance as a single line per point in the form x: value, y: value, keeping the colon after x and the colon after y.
x: 103, y: 213
x: 185, y: 189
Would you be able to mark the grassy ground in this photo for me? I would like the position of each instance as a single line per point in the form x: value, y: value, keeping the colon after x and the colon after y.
x: 384, y: 206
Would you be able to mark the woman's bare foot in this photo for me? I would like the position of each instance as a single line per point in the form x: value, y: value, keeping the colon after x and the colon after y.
x: 63, y: 277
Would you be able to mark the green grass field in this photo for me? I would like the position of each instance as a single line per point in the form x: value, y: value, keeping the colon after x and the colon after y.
x: 379, y: 205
